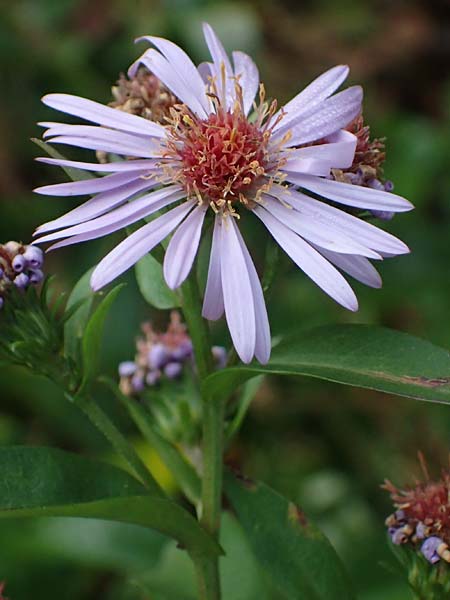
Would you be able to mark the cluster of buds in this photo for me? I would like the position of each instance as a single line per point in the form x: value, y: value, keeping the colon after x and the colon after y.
x: 160, y: 356
x: 367, y: 166
x: 143, y: 95
x: 422, y: 518
x: 20, y: 266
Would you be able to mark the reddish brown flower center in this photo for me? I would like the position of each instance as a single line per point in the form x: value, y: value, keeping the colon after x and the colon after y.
x: 222, y: 157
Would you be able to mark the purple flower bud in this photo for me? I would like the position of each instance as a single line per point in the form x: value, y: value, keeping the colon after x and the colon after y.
x: 384, y: 215
x: 19, y: 263
x: 375, y: 184
x: 36, y: 276
x: 429, y: 549
x: 173, y: 370
x: 420, y: 530
x: 34, y: 256
x: 157, y: 356
x: 183, y: 351
x: 2, y: 302
x: 220, y: 355
x: 388, y: 186
x: 127, y: 368
x: 137, y: 382
x: 398, y: 536
x: 2, y: 272
x: 400, y: 515
x: 152, y: 377
x: 21, y: 281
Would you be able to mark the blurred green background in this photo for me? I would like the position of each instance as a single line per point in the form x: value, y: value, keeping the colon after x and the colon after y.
x: 326, y: 447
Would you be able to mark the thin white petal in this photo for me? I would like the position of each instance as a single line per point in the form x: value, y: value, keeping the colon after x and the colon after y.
x: 338, y: 151
x: 114, y: 167
x: 357, y: 267
x: 135, y: 246
x: 310, y: 261
x: 237, y: 293
x: 213, y: 306
x: 246, y: 73
x: 103, y: 115
x: 87, y: 186
x: 183, y: 246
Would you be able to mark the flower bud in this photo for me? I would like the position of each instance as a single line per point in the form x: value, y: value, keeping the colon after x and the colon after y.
x: 34, y: 256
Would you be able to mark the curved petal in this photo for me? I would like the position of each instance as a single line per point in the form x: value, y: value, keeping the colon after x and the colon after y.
x: 310, y: 261
x: 182, y: 248
x: 213, y: 305
x: 338, y: 151
x: 183, y: 65
x: 263, y: 338
x: 98, y: 205
x: 352, y: 195
x: 318, y: 90
x: 365, y: 233
x: 237, y: 292
x: 114, y: 167
x: 219, y: 56
x: 123, y: 216
x: 164, y: 70
x: 328, y: 117
x: 103, y: 115
x: 315, y: 231
x: 357, y: 267
x: 87, y: 186
x: 135, y: 246
x: 246, y: 72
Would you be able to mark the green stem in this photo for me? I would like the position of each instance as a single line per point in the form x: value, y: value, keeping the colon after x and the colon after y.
x: 213, y: 415
x: 101, y: 420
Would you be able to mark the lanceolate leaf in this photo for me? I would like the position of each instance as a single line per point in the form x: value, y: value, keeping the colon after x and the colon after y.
x: 50, y: 482
x: 150, y: 279
x: 92, y: 337
x: 83, y: 295
x: 296, y: 556
x: 358, y: 355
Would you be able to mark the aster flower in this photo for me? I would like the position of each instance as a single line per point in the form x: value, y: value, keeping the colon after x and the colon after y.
x: 222, y: 150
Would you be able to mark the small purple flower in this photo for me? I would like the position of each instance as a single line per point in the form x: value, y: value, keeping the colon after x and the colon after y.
x: 21, y: 281
x: 157, y: 356
x: 127, y: 368
x: 36, y: 276
x: 19, y: 263
x: 398, y: 536
x: 2, y: 302
x: 429, y: 549
x: 183, y: 351
x: 173, y: 370
x: 152, y: 377
x: 274, y: 163
x: 137, y: 382
x: 34, y: 256
x: 420, y: 530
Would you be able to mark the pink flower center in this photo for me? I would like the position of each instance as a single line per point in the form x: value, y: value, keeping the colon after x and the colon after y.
x: 222, y: 157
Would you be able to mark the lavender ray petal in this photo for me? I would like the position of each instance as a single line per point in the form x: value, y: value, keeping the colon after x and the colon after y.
x: 310, y: 261
x: 226, y: 87
x: 263, y: 337
x: 103, y: 145
x: 162, y: 68
x: 184, y: 66
x: 123, y: 216
x: 127, y: 165
x: 318, y: 90
x: 135, y: 246
x: 103, y: 115
x: 377, y: 239
x: 213, y: 305
x: 237, y: 292
x: 204, y: 70
x: 352, y: 195
x: 307, y: 166
x: 247, y: 75
x: 182, y: 248
x: 338, y: 151
x: 87, y: 186
x: 357, y: 267
x: 328, y: 117
x: 98, y: 205
x: 330, y: 238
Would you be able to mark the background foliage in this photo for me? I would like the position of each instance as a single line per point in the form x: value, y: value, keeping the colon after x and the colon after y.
x: 326, y: 447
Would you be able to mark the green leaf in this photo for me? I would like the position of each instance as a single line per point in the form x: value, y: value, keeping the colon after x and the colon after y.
x: 150, y: 279
x: 92, y: 338
x: 246, y: 396
x: 74, y: 174
x: 298, y: 558
x: 83, y: 295
x: 358, y: 355
x: 50, y: 482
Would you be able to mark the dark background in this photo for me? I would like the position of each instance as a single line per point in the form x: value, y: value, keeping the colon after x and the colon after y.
x: 325, y: 446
